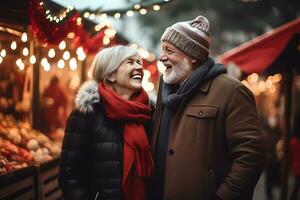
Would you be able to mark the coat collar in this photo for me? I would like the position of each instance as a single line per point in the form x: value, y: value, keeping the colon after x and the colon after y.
x: 205, y: 87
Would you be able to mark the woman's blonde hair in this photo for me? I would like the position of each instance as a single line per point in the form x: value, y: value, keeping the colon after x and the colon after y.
x: 108, y: 60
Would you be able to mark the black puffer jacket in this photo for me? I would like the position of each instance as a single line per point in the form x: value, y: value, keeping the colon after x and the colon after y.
x: 91, y: 159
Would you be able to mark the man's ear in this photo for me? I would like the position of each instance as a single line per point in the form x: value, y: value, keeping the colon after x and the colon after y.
x: 112, y: 77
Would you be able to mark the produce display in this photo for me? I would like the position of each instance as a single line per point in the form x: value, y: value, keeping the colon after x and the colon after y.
x: 21, y: 146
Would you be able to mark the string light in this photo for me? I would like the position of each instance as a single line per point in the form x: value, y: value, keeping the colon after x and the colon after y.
x: 51, y: 53
x: 59, y: 17
x: 80, y: 53
x: 24, y: 37
x: 66, y: 55
x: 137, y: 6
x: 13, y: 45
x: 143, y: 11
x: 117, y: 15
x: 73, y: 64
x: 20, y: 64
x: 62, y: 45
x: 106, y: 40
x: 3, y: 53
x: 1, y: 59
x: 129, y: 13
x: 61, y: 64
x: 25, y: 51
x: 32, y: 59
x: 110, y: 32
x: 156, y: 7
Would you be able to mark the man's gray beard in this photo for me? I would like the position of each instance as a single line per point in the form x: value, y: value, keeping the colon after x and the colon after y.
x: 178, y: 73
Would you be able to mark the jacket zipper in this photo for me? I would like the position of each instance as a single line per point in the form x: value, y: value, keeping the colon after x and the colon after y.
x: 97, y: 196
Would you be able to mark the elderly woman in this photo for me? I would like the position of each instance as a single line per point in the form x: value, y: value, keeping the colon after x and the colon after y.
x: 106, y: 153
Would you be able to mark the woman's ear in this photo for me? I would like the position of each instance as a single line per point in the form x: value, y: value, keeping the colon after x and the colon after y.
x: 111, y: 78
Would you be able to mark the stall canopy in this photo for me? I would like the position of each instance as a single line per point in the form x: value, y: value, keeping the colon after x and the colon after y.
x: 272, y: 51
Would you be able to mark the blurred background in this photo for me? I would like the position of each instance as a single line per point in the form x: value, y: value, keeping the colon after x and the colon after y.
x: 47, y: 46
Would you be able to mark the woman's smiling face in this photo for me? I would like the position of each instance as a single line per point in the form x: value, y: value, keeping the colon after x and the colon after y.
x: 128, y: 77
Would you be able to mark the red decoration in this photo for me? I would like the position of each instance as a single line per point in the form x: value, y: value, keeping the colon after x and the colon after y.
x: 53, y: 33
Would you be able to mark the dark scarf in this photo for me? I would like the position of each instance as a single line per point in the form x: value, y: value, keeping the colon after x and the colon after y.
x: 172, y: 94
x: 137, y: 159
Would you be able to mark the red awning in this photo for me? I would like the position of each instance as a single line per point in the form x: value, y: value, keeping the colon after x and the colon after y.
x: 258, y: 54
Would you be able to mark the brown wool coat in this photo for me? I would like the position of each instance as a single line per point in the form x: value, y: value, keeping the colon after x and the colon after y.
x: 215, y: 144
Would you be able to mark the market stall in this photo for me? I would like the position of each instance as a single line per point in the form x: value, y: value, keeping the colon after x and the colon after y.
x: 271, y: 64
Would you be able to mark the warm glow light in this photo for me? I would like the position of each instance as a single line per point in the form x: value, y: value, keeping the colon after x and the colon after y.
x: 92, y: 16
x: 143, y: 11
x: 44, y: 61
x: 13, y: 45
x: 73, y: 64
x: 47, y: 67
x: 117, y: 15
x: 75, y: 82
x: 106, y: 40
x: 134, y: 46
x: 151, y: 57
x: 32, y: 59
x: 20, y: 64
x: 66, y: 55
x: 3, y: 53
x: 252, y: 78
x: 24, y: 37
x: 143, y: 53
x: 86, y: 14
x: 1, y: 59
x: 148, y: 86
x: 71, y: 35
x: 147, y: 74
x: 61, y: 64
x: 161, y: 67
x: 62, y: 45
x: 156, y: 7
x: 51, y: 53
x: 129, y: 13
x: 80, y: 53
x: 137, y: 6
x: 110, y: 32
x: 25, y: 51
x: 103, y: 16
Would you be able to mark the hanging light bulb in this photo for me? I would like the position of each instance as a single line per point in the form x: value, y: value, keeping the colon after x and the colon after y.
x: 3, y: 53
x: 32, y: 59
x: 61, y: 64
x: 117, y: 15
x: 44, y: 61
x: 47, y: 67
x: 73, y: 64
x: 156, y: 7
x: 143, y: 11
x: 62, y: 45
x: 51, y: 53
x: 66, y: 55
x: 20, y: 64
x: 25, y: 51
x: 13, y: 45
x: 24, y: 37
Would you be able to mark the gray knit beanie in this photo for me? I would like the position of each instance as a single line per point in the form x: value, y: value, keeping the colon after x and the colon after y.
x: 191, y: 37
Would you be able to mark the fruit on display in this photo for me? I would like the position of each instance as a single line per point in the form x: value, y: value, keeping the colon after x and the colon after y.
x: 22, y: 146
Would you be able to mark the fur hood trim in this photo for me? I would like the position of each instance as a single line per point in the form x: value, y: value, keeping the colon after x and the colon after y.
x: 86, y: 96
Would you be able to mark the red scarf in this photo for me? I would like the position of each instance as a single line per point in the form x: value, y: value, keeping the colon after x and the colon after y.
x: 137, y: 160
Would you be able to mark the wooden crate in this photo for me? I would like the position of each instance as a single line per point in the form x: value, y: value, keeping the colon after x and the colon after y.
x: 19, y: 185
x: 48, y: 182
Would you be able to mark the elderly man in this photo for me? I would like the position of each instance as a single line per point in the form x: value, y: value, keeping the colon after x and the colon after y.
x: 206, y: 137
